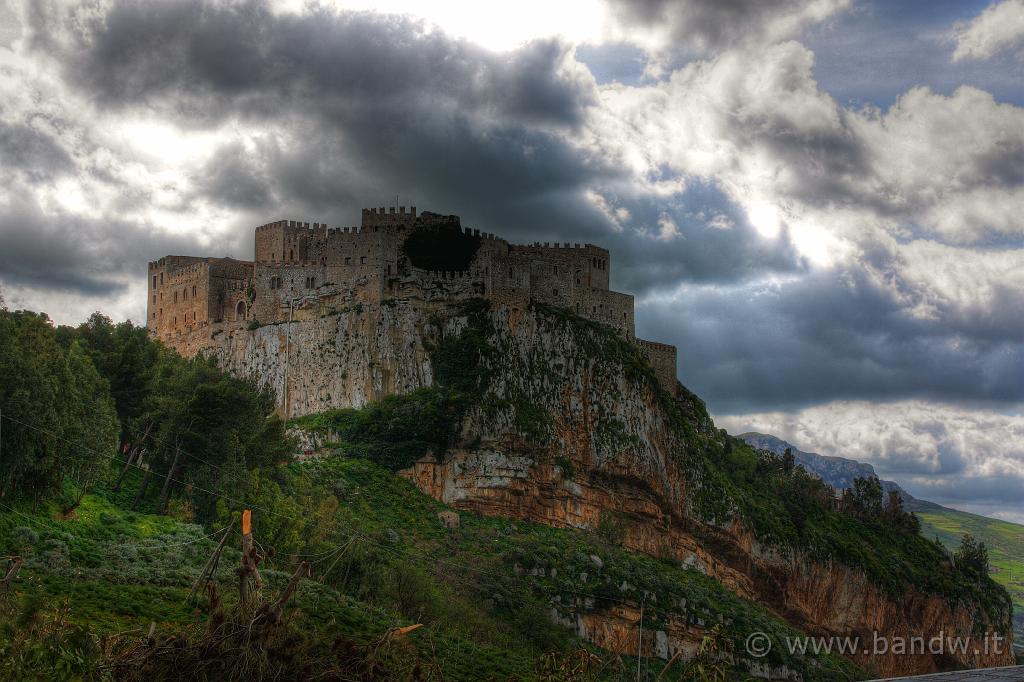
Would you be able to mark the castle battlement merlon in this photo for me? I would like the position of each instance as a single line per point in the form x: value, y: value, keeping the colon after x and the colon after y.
x: 296, y: 260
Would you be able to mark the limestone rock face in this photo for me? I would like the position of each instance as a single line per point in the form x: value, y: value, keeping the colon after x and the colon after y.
x: 570, y: 432
x: 347, y: 359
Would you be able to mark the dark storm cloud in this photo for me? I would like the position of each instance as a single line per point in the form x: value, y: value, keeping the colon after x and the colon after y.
x: 204, y: 60
x: 67, y: 252
x: 698, y: 25
x: 827, y: 337
x: 234, y: 177
x: 361, y: 107
x: 31, y: 152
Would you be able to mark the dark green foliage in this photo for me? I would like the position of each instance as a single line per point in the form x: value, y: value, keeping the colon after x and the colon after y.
x: 123, y: 354
x: 458, y: 360
x: 443, y: 248
x: 396, y: 431
x: 864, y: 499
x: 219, y: 425
x: 972, y: 556
x: 34, y: 639
x: 568, y: 470
x: 533, y: 422
x: 59, y: 419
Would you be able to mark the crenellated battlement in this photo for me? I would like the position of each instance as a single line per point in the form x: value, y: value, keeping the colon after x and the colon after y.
x: 394, y: 215
x: 395, y: 253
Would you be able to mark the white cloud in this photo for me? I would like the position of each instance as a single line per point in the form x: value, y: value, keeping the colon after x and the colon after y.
x: 998, y: 28
x: 947, y: 452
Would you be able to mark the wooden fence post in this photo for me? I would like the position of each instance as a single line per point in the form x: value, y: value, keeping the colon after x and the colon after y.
x: 249, y: 560
x: 12, y: 573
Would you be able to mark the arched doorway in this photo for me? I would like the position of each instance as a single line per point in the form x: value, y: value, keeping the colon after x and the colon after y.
x: 240, y: 311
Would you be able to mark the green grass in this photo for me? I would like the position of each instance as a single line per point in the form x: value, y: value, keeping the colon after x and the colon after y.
x: 1005, y: 543
x: 484, y: 590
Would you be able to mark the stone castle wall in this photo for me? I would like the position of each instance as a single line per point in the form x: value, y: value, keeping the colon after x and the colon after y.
x: 662, y: 357
x: 303, y: 271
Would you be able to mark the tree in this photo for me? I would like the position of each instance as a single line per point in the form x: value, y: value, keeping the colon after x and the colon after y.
x: 788, y: 461
x: 972, y: 556
x: 864, y: 498
x: 57, y: 414
x: 125, y: 356
x: 92, y: 427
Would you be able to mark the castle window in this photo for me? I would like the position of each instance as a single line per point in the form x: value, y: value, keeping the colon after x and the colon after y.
x: 291, y: 254
x: 161, y: 278
x: 555, y: 291
x: 154, y: 299
x: 510, y: 275
x: 348, y: 261
x: 175, y: 296
x: 154, y: 281
x: 554, y: 269
x: 362, y: 260
x: 193, y: 291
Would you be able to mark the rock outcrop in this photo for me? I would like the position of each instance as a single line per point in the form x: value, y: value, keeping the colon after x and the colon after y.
x: 572, y: 430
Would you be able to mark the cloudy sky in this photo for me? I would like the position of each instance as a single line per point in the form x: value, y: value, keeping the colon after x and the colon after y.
x: 819, y: 201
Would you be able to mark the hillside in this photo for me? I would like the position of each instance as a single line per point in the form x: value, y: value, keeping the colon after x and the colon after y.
x: 381, y: 557
x: 1004, y: 540
x: 532, y: 496
x: 540, y: 415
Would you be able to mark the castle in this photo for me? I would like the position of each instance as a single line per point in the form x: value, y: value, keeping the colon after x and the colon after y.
x: 304, y: 270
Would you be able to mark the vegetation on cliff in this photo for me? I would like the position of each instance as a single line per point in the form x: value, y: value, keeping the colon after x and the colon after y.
x: 783, y: 505
x: 125, y: 553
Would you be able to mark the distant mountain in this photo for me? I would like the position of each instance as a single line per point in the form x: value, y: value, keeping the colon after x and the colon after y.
x: 837, y: 472
x: 1005, y: 540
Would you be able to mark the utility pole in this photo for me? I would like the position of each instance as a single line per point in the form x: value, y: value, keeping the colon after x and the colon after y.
x: 640, y: 642
x: 287, y: 355
x: 162, y: 504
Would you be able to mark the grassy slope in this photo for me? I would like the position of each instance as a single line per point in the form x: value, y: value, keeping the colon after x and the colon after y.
x: 1005, y: 542
x: 477, y: 587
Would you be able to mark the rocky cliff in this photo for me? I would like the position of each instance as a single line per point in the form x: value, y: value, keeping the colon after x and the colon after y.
x: 568, y: 426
